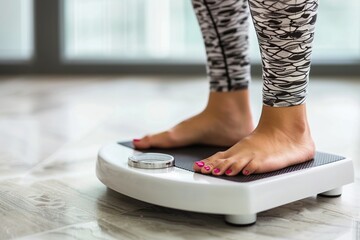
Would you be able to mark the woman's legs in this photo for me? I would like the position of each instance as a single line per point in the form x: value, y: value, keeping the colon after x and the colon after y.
x: 285, y: 30
x: 224, y: 26
x: 227, y: 116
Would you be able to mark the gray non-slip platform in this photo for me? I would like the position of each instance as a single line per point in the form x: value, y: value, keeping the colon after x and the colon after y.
x: 186, y: 156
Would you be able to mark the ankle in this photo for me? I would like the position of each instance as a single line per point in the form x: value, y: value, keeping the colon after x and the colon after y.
x: 230, y: 103
x: 291, y: 120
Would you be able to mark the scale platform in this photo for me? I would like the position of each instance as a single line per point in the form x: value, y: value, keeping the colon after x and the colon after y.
x: 239, y: 198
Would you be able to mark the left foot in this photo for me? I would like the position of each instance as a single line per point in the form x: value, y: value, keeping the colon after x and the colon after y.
x: 281, y: 139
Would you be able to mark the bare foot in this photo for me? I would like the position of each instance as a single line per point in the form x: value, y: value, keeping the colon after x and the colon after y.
x: 281, y: 139
x: 226, y: 120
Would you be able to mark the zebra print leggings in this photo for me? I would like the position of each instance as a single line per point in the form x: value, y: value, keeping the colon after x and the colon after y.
x: 285, y: 32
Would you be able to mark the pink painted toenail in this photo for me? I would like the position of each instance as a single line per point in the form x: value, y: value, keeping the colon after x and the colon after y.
x: 246, y: 172
x: 136, y: 140
x: 200, y: 163
x: 207, y: 168
x: 216, y: 170
x: 228, y: 171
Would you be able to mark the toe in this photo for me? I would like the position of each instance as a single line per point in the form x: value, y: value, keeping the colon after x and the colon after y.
x: 160, y: 140
x: 251, y: 167
x: 207, y: 169
x: 198, y: 165
x: 210, y: 163
x: 237, y: 166
x: 167, y: 139
x: 208, y: 166
x: 223, y: 165
x: 142, y: 143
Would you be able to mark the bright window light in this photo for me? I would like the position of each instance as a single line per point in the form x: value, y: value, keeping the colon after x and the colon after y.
x: 16, y: 30
x: 167, y: 30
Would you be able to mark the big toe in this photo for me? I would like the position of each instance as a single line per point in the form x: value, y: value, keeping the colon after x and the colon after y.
x: 160, y: 140
x: 142, y: 143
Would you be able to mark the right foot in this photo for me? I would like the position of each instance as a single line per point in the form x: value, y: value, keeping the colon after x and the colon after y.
x: 226, y: 120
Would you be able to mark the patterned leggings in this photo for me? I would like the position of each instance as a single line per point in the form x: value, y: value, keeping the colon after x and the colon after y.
x: 285, y: 32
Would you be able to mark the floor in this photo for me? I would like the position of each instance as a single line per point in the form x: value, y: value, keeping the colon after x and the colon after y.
x: 51, y: 128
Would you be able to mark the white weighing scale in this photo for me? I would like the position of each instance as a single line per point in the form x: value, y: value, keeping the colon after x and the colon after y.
x: 168, y: 180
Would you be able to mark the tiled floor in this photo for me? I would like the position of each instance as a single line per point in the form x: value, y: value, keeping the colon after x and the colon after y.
x: 52, y: 127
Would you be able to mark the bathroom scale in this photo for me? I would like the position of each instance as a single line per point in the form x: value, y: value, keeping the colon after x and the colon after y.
x: 165, y: 177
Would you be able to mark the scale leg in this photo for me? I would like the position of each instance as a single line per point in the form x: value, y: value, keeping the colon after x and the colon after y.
x: 241, y: 219
x: 336, y: 192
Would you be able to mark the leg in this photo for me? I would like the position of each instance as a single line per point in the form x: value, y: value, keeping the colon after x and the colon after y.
x: 224, y: 26
x: 227, y: 116
x: 285, y: 30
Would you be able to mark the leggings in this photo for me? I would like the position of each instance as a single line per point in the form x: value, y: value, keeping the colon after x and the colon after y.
x: 285, y: 32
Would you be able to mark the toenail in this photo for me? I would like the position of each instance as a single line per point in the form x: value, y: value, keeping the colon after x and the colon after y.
x: 136, y: 140
x: 200, y: 163
x: 228, y: 171
x: 246, y: 172
x: 216, y: 170
x: 207, y: 168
